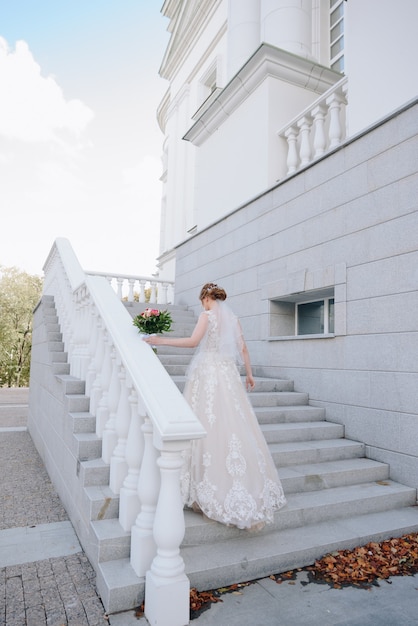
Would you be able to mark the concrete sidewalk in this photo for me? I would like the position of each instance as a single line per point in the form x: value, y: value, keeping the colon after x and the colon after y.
x: 46, y: 579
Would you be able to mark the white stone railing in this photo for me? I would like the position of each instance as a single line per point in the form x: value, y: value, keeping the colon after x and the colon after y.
x: 143, y: 420
x: 318, y: 129
x: 140, y: 288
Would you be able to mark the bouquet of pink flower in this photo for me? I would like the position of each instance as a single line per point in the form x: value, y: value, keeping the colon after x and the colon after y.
x: 153, y: 321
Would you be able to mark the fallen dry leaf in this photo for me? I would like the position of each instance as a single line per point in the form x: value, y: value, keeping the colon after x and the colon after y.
x: 366, y: 564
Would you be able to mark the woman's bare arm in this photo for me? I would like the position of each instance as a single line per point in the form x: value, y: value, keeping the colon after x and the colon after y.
x: 182, y: 342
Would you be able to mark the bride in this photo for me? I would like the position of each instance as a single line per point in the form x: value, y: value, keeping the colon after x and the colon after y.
x: 229, y: 475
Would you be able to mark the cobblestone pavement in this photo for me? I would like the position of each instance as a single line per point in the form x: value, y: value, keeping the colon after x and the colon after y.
x: 57, y: 591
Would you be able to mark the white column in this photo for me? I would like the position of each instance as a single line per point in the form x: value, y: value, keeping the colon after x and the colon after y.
x: 243, y: 32
x: 287, y: 24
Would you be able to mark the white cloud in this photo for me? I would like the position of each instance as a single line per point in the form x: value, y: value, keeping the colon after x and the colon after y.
x: 32, y: 107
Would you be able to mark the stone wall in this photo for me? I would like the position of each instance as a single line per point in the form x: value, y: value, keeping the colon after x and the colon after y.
x: 347, y: 224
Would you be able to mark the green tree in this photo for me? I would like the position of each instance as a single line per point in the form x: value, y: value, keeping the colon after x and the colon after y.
x: 19, y: 294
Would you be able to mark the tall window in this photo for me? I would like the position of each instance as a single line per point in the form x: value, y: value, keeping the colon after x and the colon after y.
x: 336, y: 23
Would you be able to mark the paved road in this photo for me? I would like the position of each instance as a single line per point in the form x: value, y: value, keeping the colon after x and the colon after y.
x: 46, y: 579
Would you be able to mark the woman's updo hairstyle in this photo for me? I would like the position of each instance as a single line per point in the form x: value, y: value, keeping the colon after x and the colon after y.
x: 210, y: 290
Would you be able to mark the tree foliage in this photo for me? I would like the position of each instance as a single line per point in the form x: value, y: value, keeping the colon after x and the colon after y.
x: 19, y: 294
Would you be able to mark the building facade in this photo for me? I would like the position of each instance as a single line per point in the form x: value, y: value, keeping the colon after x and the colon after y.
x: 291, y: 178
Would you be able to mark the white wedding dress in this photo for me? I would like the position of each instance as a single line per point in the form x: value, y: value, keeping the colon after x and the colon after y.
x: 229, y: 475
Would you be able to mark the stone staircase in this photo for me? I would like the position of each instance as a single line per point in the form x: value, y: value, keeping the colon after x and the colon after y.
x: 337, y: 498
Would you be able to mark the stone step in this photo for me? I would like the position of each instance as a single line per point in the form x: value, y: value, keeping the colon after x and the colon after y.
x: 55, y: 346
x: 110, y: 540
x: 277, y: 415
x: 278, y: 398
x: 174, y: 359
x: 60, y: 368
x: 50, y: 317
x: 306, y: 452
x: 310, y: 507
x: 253, y: 557
x: 72, y: 385
x: 328, y: 502
x: 118, y: 586
x: 77, y: 403
x: 86, y: 446
x: 54, y: 335
x: 316, y: 476
x: 250, y: 556
x: 82, y: 422
x: 58, y: 357
x: 54, y: 328
x: 101, y: 503
x: 93, y: 472
x: 301, y: 431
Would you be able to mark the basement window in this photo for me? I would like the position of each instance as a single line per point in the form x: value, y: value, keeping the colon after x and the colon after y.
x: 303, y: 315
x: 315, y: 318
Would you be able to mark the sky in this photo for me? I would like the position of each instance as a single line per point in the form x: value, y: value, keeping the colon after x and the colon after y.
x: 80, y: 146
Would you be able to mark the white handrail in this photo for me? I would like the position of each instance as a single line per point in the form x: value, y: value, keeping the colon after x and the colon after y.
x: 143, y: 419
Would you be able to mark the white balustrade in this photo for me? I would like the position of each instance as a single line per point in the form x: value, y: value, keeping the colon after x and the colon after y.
x: 319, y: 128
x: 142, y: 418
x: 140, y: 288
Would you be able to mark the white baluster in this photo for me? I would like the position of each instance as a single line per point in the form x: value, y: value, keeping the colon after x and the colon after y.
x: 131, y: 283
x: 143, y: 547
x: 153, y: 296
x: 119, y: 282
x: 335, y: 129
x: 105, y: 374
x: 292, y: 154
x: 164, y: 290
x: 320, y: 142
x: 109, y: 438
x: 129, y: 505
x: 93, y: 345
x: 142, y: 291
x: 166, y: 578
x: 305, y: 144
x: 118, y: 464
x: 98, y: 361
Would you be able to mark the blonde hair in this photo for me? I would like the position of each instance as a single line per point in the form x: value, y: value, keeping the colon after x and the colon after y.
x: 212, y: 291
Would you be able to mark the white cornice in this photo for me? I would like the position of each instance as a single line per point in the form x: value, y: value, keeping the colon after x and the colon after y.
x: 162, y: 110
x: 188, y: 19
x: 267, y: 61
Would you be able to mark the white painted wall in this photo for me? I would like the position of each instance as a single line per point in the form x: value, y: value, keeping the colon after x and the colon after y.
x: 381, y: 46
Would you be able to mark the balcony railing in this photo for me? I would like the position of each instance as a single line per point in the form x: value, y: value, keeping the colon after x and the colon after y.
x: 321, y: 127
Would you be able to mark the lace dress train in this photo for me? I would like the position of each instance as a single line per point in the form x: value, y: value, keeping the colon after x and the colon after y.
x: 230, y: 474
